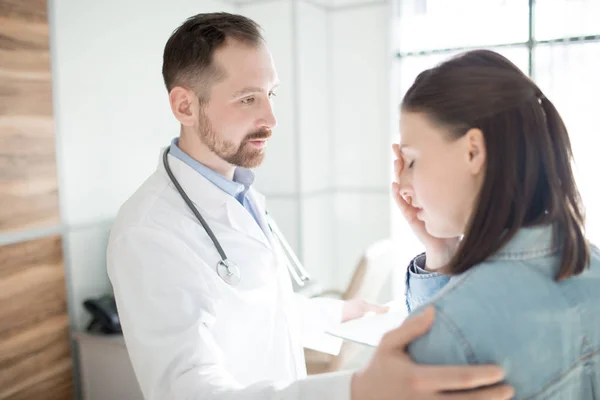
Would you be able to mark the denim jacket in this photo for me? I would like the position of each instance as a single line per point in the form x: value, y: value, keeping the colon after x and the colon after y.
x: 510, y: 311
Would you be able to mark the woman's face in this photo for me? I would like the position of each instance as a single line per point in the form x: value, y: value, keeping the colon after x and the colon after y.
x: 442, y: 176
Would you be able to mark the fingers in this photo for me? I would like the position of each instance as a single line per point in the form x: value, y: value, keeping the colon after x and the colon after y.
x: 398, y: 167
x: 382, y: 310
x: 398, y: 197
x: 461, y: 377
x: 503, y: 392
x: 398, y: 162
x: 396, y: 149
x: 410, y: 330
x: 409, y: 212
x: 373, y: 308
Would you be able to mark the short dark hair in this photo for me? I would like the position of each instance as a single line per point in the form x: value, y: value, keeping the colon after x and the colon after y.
x: 528, y: 176
x: 188, y: 54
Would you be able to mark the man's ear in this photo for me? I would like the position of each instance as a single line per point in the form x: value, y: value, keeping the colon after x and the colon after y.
x: 476, y: 151
x: 184, y: 105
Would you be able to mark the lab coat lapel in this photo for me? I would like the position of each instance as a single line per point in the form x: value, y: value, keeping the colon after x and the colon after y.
x: 213, y: 203
x: 287, y: 294
x: 260, y: 207
x: 242, y: 220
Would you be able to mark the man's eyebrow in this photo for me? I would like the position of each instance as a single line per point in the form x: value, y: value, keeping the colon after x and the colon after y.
x: 249, y: 90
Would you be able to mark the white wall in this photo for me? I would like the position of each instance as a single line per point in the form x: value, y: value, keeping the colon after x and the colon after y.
x: 361, y: 60
x: 327, y: 172
x: 112, y: 118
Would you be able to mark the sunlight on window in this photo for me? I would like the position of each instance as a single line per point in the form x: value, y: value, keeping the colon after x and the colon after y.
x: 437, y: 24
x: 409, y: 67
x: 563, y: 18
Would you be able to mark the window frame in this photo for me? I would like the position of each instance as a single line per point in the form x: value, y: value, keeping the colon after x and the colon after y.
x: 531, y: 43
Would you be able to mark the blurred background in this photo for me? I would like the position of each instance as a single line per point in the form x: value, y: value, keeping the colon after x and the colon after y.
x: 84, y: 116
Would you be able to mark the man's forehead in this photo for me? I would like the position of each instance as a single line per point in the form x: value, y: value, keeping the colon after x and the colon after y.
x: 254, y: 71
x: 238, y: 54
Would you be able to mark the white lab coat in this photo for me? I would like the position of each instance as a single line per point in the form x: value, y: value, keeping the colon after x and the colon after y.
x: 189, y: 334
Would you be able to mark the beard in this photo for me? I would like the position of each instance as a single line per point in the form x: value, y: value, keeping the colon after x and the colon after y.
x: 243, y: 155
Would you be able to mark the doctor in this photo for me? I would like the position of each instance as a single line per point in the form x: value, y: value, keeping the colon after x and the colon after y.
x: 199, y: 274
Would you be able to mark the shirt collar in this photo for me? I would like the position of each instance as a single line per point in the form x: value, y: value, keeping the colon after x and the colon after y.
x: 530, y: 242
x: 243, y: 178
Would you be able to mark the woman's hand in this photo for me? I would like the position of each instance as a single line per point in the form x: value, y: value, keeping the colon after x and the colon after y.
x: 439, y: 251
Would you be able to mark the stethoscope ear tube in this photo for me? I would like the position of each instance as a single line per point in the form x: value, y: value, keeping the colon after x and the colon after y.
x: 188, y: 201
x: 298, y: 272
x: 227, y: 269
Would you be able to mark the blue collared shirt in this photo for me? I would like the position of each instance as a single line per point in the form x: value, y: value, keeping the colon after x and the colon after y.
x: 243, y: 178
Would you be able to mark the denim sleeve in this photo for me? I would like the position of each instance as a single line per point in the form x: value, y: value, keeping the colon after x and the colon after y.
x: 422, y: 285
x: 443, y: 344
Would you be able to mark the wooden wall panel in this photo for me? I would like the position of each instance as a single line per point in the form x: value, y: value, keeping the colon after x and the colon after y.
x: 28, y: 184
x: 35, y: 357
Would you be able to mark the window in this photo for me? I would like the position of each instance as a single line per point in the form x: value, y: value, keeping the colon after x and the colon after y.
x: 557, y: 42
x: 426, y: 25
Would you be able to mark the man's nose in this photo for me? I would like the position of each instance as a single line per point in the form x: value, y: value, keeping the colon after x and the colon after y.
x: 268, y: 119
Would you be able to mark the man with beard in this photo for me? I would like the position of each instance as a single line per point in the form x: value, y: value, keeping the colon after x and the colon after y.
x: 199, y: 275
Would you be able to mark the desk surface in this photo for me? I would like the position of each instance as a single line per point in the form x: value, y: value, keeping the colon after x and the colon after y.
x: 116, y: 339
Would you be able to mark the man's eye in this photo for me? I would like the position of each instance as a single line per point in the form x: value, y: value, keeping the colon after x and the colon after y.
x: 249, y: 100
x: 411, y: 164
x: 271, y: 95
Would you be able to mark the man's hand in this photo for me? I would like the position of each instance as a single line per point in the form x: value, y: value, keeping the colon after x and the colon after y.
x: 392, y: 375
x: 357, y: 308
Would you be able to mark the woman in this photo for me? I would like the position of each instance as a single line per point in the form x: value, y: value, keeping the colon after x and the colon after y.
x: 484, y: 178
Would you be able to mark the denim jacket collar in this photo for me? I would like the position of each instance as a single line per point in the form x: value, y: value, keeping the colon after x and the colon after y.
x: 529, y: 243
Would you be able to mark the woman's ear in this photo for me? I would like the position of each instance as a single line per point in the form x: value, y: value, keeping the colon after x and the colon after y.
x: 476, y: 152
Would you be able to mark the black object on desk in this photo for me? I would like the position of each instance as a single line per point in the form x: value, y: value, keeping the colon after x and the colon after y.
x: 105, y: 318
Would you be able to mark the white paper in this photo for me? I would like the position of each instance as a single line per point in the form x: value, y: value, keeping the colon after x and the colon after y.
x: 325, y: 343
x: 369, y: 329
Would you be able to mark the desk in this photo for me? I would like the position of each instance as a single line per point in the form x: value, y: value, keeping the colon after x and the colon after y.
x: 104, y: 368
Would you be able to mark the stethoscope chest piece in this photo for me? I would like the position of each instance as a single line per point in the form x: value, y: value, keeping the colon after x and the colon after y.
x: 229, y: 272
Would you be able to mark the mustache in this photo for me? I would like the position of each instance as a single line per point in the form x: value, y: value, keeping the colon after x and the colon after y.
x: 259, y: 135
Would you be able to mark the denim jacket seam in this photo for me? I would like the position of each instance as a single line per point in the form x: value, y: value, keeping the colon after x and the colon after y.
x: 407, y: 286
x: 459, y: 280
x: 408, y: 301
x: 459, y: 335
x: 428, y: 276
x: 525, y: 254
x: 562, y: 375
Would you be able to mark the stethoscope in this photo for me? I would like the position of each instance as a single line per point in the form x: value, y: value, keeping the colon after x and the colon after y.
x: 227, y: 269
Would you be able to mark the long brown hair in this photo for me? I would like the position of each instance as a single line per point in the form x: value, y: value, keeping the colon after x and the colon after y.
x: 528, y: 175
